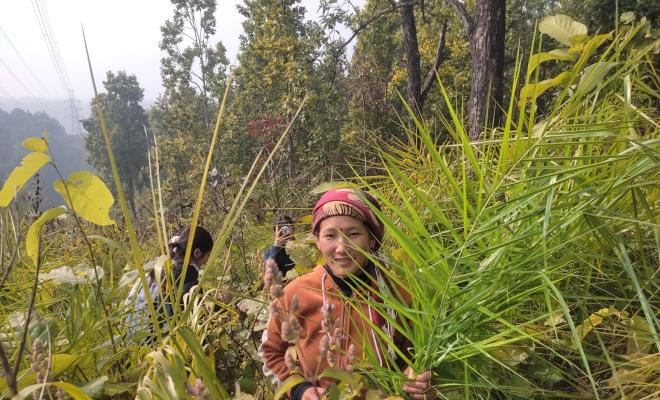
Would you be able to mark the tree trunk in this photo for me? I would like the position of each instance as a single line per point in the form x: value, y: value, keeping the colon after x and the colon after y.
x: 487, y: 52
x: 414, y: 81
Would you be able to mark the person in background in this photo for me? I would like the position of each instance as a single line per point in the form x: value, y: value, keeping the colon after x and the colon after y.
x: 201, y: 250
x: 138, y: 318
x: 284, y: 231
x: 317, y: 313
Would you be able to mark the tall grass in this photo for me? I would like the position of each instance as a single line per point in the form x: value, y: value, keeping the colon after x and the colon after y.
x: 532, y: 255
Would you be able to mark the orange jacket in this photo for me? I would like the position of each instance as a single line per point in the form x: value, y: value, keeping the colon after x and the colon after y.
x: 314, y: 290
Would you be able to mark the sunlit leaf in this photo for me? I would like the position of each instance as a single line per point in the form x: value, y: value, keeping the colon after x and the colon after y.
x: 72, y: 390
x: 88, y: 196
x: 287, y: 385
x: 533, y: 90
x: 30, y: 164
x: 592, y: 76
x: 627, y: 17
x: 537, y: 59
x: 596, y: 319
x: 204, y: 369
x: 95, y: 388
x: 32, y: 239
x: 59, y: 364
x: 562, y: 28
x: 80, y: 274
x: 38, y: 144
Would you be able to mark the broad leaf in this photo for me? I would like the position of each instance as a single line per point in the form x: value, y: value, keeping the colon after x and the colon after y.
x: 74, y: 391
x: 537, y: 59
x: 30, y: 164
x: 80, y: 274
x: 59, y: 364
x: 88, y: 196
x: 341, y: 376
x: 587, y: 48
x: 533, y: 90
x: 32, y: 239
x: 95, y: 388
x: 287, y: 385
x: 562, y: 28
x: 38, y: 144
x: 201, y: 366
x: 592, y: 76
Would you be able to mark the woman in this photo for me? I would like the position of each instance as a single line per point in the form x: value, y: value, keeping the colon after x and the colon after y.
x: 345, y: 230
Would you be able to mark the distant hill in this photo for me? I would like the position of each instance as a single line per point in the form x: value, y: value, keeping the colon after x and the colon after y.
x: 55, y: 108
x: 68, y: 150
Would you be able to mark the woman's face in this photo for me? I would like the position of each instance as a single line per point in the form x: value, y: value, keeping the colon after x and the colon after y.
x: 343, y: 240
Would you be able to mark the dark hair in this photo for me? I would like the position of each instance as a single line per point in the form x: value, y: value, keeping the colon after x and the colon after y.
x: 282, y: 220
x: 202, y: 241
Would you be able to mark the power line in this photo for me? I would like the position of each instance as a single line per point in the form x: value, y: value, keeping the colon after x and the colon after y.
x: 23, y: 86
x: 41, y: 12
x: 25, y: 64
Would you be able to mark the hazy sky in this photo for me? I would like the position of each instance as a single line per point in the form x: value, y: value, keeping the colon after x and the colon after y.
x: 121, y: 34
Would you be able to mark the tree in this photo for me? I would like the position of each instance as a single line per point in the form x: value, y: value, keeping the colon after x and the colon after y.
x: 126, y: 120
x: 485, y: 31
x: 281, y: 59
x: 194, y: 78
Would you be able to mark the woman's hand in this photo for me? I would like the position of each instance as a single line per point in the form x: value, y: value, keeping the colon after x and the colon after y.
x: 419, y: 388
x: 313, y: 393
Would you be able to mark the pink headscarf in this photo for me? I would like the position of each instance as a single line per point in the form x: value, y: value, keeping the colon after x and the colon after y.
x: 352, y: 203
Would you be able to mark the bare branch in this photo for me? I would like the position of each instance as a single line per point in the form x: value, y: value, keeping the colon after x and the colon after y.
x: 365, y: 24
x: 463, y: 14
x: 439, y: 58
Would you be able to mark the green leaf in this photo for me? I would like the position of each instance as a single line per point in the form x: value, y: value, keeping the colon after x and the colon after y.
x: 287, y: 385
x: 59, y: 364
x: 203, y: 369
x: 592, y: 76
x: 341, y: 376
x: 113, y: 389
x: 37, y: 144
x: 72, y: 390
x: 96, y: 387
x: 537, y: 59
x: 533, y: 90
x: 30, y: 164
x: 87, y: 196
x: 80, y: 274
x: 32, y: 239
x: 627, y: 17
x: 562, y: 28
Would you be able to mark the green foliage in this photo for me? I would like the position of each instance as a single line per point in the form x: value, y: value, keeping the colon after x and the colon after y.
x: 126, y: 121
x: 519, y: 251
x: 194, y: 77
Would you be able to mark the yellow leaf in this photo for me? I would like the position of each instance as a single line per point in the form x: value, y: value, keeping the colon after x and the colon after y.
x: 533, y: 90
x: 88, y: 196
x: 32, y: 239
x: 30, y: 164
x: 596, y: 319
x: 37, y: 144
x: 59, y: 363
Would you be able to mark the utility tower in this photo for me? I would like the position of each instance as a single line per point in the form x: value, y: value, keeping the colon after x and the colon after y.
x: 73, y: 109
